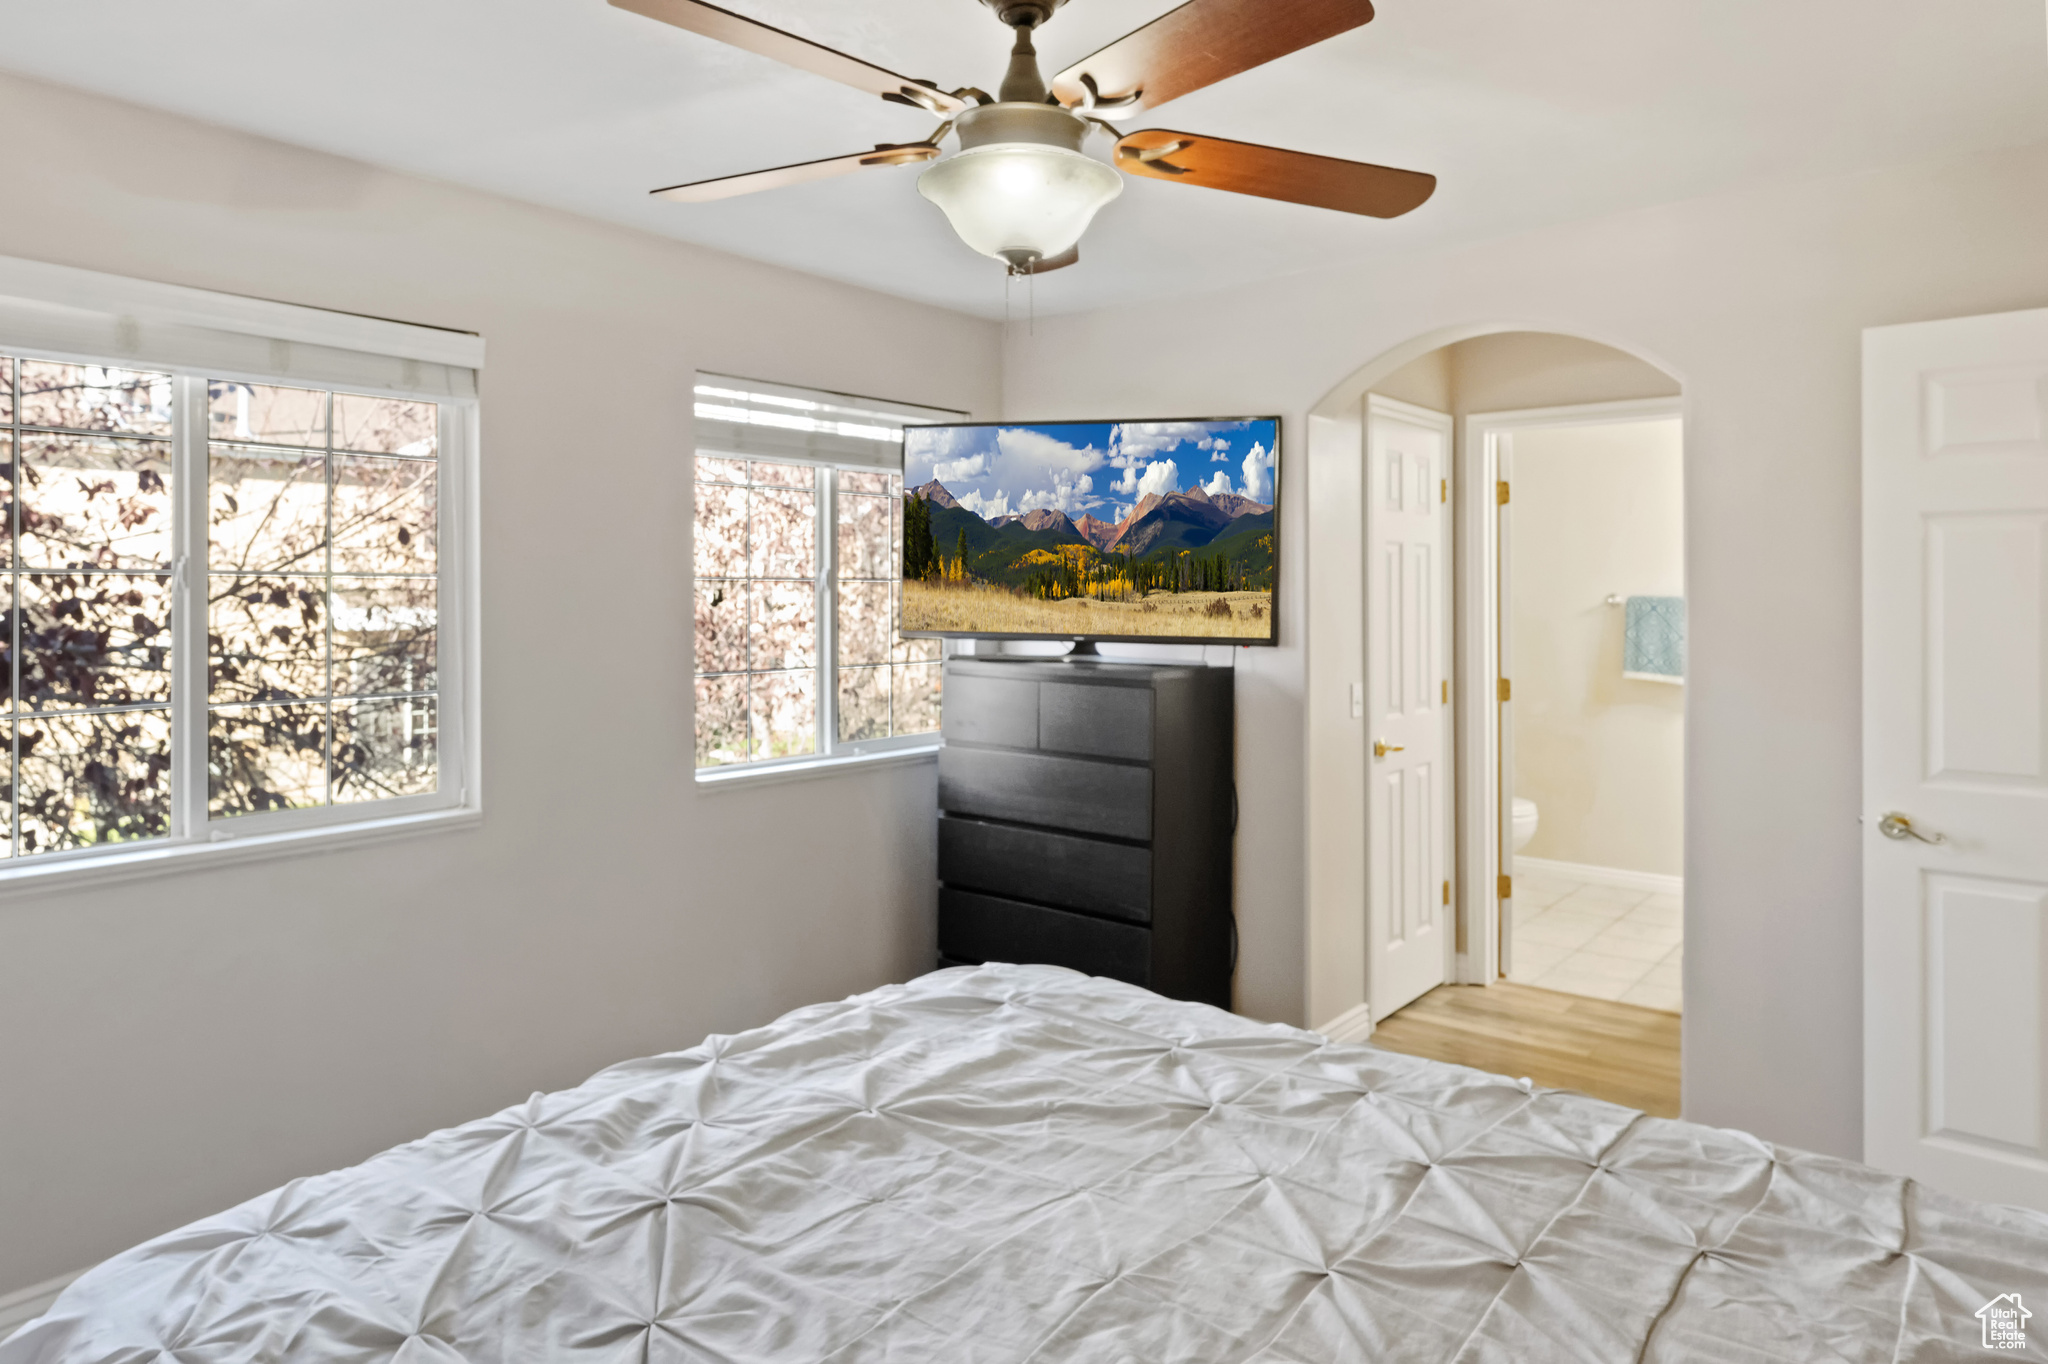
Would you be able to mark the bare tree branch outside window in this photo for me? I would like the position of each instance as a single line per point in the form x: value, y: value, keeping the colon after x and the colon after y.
x: 321, y: 563
x: 85, y: 453
x: 322, y: 604
x: 756, y: 608
x: 887, y: 684
x: 758, y: 672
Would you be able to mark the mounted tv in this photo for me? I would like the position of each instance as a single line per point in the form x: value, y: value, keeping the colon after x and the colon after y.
x: 1154, y: 532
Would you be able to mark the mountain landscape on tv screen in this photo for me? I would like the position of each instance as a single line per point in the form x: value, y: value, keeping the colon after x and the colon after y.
x: 1090, y: 529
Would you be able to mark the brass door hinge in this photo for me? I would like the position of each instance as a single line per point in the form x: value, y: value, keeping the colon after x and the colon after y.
x: 1443, y: 490
x: 1500, y: 492
x: 1507, y: 690
x: 1447, y: 691
x: 1506, y: 889
x: 1447, y: 892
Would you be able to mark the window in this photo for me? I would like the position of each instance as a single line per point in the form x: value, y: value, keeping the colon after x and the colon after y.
x: 322, y: 598
x: 89, y: 557
x: 799, y: 516
x: 227, y: 600
x: 887, y: 685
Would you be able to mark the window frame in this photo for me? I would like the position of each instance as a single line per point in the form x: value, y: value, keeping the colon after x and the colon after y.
x: 192, y: 578
x: 829, y: 752
x: 829, y: 744
x: 194, y: 839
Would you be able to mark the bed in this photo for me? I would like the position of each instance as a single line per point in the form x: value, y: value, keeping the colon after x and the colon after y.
x: 1012, y: 1163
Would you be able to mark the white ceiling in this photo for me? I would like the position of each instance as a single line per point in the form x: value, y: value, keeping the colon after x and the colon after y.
x: 1529, y: 111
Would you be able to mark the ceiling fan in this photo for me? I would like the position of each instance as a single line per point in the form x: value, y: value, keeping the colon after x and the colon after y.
x: 1020, y: 188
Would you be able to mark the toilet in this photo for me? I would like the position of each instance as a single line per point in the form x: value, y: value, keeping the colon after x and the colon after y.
x: 1524, y: 822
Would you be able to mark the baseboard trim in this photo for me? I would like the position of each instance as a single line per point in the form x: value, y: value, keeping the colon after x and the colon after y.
x: 1353, y: 1025
x: 1655, y: 882
x: 24, y: 1305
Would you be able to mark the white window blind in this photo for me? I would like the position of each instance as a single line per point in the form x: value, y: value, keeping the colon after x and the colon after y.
x: 745, y: 417
x: 65, y: 313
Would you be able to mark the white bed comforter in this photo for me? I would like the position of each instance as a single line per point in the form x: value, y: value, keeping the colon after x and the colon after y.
x: 1021, y: 1163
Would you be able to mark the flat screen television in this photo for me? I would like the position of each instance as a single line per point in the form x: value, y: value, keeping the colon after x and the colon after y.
x: 1140, y: 531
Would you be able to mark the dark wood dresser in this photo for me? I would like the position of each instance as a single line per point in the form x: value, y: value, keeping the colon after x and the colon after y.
x: 1085, y: 816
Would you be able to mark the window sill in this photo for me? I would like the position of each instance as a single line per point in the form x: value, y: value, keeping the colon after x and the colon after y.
x: 799, y: 769
x: 162, y: 859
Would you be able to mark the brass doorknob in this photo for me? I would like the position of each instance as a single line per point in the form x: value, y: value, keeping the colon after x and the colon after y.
x: 1381, y: 748
x: 1899, y: 827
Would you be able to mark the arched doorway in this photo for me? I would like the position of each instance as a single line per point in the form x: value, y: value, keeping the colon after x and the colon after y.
x: 1473, y: 385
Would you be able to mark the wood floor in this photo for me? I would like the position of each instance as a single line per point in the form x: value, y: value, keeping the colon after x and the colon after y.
x: 1623, y: 1053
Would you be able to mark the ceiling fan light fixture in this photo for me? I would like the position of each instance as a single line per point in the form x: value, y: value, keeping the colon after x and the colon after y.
x: 1020, y: 189
x: 1020, y: 202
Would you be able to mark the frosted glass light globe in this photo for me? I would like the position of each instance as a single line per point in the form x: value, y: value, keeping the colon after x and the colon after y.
x: 1020, y: 201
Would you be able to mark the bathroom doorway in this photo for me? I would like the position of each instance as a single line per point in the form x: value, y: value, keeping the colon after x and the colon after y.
x: 1590, y: 629
x: 1399, y: 933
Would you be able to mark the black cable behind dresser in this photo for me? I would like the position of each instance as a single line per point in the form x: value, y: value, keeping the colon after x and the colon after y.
x: 1085, y: 820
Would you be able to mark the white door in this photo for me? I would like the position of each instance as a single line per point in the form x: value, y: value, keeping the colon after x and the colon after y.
x: 1955, y: 743
x: 1407, y: 648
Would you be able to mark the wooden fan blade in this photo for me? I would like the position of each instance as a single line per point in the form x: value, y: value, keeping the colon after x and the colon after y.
x: 1274, y: 173
x: 1199, y: 44
x: 787, y: 48
x: 1070, y: 256
x: 726, y: 186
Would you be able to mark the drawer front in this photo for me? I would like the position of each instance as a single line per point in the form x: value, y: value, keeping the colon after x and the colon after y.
x: 1109, y: 722
x: 984, y: 928
x: 990, y: 710
x: 1054, y: 869
x: 1060, y: 793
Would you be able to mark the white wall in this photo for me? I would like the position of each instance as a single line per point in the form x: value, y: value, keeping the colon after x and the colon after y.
x: 1515, y: 370
x: 1508, y: 371
x: 170, y: 1047
x: 1755, y: 302
x: 1598, y: 511
x: 1425, y: 381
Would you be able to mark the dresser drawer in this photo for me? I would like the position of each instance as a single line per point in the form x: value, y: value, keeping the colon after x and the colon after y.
x: 1059, y: 793
x: 1108, y: 722
x: 1055, y: 869
x: 985, y: 928
x: 990, y: 710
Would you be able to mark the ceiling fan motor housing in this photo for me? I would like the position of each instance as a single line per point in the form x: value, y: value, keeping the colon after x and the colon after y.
x: 1045, y: 124
x: 1023, y: 13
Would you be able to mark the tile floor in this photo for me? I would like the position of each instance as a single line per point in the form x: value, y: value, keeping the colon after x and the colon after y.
x: 1600, y: 941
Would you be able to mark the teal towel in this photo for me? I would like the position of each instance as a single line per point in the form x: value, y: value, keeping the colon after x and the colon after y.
x: 1653, y: 639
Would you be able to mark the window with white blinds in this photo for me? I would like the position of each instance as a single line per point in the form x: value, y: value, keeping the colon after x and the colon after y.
x: 232, y: 552
x: 798, y: 557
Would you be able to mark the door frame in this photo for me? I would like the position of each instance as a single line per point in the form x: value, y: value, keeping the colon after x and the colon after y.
x: 1446, y: 424
x: 1485, y: 723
